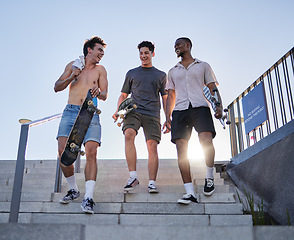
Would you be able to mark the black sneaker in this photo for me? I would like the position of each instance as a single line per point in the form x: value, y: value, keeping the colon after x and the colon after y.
x: 70, y: 196
x: 208, y: 187
x: 131, y: 184
x: 152, y: 189
x: 88, y: 205
x: 187, y: 198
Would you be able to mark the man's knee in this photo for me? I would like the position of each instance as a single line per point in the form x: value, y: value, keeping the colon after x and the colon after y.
x: 91, y: 149
x: 205, y: 139
x: 130, y: 134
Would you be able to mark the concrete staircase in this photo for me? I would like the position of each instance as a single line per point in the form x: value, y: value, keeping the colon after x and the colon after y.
x: 136, y: 215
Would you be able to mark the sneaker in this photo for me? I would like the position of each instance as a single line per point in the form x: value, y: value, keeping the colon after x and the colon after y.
x: 187, y: 198
x: 70, y: 196
x: 208, y: 187
x: 152, y: 189
x: 88, y: 205
x: 131, y: 184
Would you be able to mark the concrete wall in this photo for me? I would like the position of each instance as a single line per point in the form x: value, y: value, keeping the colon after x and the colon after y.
x: 266, y: 170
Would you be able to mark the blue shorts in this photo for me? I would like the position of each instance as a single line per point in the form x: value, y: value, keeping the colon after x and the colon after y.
x: 67, y: 121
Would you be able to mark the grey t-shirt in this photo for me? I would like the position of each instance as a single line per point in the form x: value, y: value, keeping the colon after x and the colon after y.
x: 144, y: 85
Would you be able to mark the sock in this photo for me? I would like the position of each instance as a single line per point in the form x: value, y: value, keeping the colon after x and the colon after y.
x: 71, y: 181
x: 209, y: 172
x: 151, y: 182
x: 189, y: 188
x: 90, y: 185
x: 133, y: 174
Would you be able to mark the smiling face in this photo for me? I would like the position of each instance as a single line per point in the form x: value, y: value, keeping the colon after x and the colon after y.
x: 181, y: 47
x: 146, y: 56
x: 97, y: 52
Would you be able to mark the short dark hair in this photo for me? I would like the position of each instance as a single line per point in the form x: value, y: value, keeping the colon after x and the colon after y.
x: 147, y: 44
x: 91, y: 44
x: 186, y: 40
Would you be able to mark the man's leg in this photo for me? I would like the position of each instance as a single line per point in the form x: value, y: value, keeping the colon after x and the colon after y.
x: 68, y: 172
x: 90, y: 175
x: 205, y: 139
x: 152, y: 164
x: 91, y: 160
x: 152, y: 159
x: 131, y: 156
x: 184, y: 165
x: 130, y: 149
x: 183, y: 161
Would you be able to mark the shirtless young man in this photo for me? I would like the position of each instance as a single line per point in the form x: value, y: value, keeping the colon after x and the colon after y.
x: 80, y: 80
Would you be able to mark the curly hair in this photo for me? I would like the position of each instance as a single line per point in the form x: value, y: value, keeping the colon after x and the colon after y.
x: 147, y: 44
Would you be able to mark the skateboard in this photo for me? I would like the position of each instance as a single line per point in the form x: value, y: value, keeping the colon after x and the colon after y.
x: 78, y: 131
x: 214, y: 102
x: 124, y: 108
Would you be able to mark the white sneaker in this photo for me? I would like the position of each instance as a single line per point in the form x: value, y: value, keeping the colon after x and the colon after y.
x: 187, y: 198
x: 152, y: 189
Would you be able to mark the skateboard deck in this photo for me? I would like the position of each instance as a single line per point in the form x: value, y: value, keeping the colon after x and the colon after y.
x: 78, y: 131
x: 124, y: 108
x: 213, y: 100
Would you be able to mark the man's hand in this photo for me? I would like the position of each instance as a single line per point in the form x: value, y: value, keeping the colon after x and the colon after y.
x: 166, y: 126
x: 95, y: 91
x: 75, y: 73
x: 115, y: 116
x: 219, y: 112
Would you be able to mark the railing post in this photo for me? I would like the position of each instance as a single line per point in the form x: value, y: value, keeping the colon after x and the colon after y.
x: 18, y: 176
x: 58, y: 177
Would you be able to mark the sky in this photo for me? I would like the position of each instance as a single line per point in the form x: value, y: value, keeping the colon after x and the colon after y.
x: 239, y: 39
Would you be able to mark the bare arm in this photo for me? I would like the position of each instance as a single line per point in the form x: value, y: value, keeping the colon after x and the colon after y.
x: 170, y: 105
x: 164, y: 99
x: 66, y: 78
x: 102, y: 92
x: 219, y: 107
x: 122, y: 97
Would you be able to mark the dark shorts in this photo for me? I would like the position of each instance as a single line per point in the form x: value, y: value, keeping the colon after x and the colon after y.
x: 151, y: 125
x: 182, y: 122
x: 67, y: 121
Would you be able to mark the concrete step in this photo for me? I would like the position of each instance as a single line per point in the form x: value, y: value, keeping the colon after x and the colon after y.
x: 129, y: 208
x: 133, y: 219
x: 143, y: 188
x: 146, y: 197
x: 125, y: 232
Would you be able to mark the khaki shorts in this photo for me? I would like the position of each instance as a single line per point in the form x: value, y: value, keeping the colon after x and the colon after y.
x: 151, y: 125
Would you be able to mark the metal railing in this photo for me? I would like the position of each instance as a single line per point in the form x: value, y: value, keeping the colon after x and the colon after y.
x: 278, y: 83
x: 20, y: 163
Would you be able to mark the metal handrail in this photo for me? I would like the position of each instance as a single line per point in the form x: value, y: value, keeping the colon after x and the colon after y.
x: 19, y: 169
x: 278, y: 82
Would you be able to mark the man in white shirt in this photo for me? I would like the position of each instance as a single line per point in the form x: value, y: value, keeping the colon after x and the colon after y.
x: 188, y: 108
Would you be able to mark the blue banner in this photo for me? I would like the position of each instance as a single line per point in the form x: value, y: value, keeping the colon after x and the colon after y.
x: 254, y: 108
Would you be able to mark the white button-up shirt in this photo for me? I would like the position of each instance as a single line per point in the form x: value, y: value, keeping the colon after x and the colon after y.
x: 188, y: 83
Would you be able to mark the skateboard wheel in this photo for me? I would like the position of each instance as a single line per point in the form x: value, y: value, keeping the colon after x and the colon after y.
x: 90, y: 102
x: 226, y: 110
x: 228, y: 122
x: 72, y: 145
x: 134, y: 106
x: 119, y: 124
x: 82, y: 153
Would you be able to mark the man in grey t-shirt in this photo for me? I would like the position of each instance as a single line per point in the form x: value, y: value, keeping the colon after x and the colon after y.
x: 145, y: 84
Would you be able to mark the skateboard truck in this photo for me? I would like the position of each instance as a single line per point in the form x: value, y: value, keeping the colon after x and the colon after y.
x: 124, y: 108
x: 92, y: 107
x: 75, y: 148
